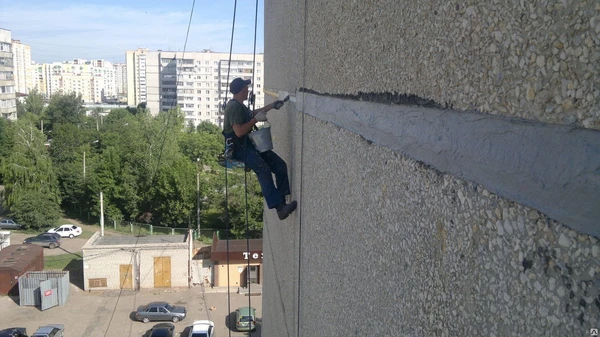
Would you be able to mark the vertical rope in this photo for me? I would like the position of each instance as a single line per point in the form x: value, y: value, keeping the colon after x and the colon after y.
x: 227, y: 221
x: 301, y: 171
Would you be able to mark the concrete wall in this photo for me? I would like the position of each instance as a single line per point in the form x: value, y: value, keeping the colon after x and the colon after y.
x: 104, y: 262
x: 390, y: 242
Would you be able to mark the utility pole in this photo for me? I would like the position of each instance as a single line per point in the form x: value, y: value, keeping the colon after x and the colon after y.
x: 198, y: 197
x: 101, y: 214
x: 83, y: 164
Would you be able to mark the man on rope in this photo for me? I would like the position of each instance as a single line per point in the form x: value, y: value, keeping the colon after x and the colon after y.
x: 237, y: 124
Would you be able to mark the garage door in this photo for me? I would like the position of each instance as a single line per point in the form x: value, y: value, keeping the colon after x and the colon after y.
x: 125, y: 271
x: 162, y: 272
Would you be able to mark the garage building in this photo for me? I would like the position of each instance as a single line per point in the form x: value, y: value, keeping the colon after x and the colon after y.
x: 245, y: 262
x: 15, y: 261
x: 135, y: 262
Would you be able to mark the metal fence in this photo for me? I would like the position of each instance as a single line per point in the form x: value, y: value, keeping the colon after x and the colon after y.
x: 137, y: 228
x: 30, y: 292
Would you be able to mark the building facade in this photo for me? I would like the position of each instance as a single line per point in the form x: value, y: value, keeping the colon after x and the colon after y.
x: 94, y: 80
x: 21, y: 62
x: 445, y: 158
x: 196, y: 81
x: 128, y: 262
x: 240, y: 260
x: 8, y: 102
x: 120, y: 80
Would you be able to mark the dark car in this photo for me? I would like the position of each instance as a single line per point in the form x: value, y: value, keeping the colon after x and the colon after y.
x: 9, y: 224
x: 162, y: 330
x: 50, y: 240
x: 160, y: 311
x: 13, y: 332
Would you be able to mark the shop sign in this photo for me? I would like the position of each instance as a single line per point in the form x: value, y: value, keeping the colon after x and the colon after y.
x: 253, y: 256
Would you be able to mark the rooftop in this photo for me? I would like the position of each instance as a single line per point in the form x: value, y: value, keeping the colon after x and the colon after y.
x: 126, y: 240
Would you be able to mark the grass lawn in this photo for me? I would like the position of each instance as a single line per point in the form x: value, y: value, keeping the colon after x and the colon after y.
x: 63, y: 262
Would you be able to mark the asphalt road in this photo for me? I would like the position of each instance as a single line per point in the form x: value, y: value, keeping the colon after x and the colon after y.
x: 108, y: 313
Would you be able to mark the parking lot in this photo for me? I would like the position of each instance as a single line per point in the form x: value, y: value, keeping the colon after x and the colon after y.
x: 109, y: 313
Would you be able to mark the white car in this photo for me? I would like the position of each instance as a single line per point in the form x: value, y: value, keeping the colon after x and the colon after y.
x: 202, y: 328
x: 66, y: 231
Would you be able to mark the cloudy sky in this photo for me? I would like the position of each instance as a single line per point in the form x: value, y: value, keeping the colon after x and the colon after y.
x: 61, y: 30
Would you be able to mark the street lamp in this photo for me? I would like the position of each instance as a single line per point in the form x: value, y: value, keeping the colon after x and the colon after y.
x: 94, y: 142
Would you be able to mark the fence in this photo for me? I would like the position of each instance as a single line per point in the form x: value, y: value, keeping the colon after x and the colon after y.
x: 33, y: 292
x: 137, y: 228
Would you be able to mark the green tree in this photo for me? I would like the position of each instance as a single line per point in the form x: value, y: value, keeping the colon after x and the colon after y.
x: 65, y: 109
x: 34, y: 103
x: 6, y: 141
x: 29, y: 175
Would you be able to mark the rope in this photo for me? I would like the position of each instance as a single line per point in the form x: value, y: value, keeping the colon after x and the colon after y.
x: 301, y: 173
x: 227, y: 222
x: 152, y: 177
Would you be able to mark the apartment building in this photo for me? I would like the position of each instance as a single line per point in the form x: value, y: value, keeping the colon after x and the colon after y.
x: 197, y: 82
x: 21, y: 61
x: 120, y: 70
x: 136, y: 76
x: 93, y: 80
x: 8, y: 102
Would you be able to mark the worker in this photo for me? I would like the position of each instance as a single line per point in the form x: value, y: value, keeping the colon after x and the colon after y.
x: 237, y: 124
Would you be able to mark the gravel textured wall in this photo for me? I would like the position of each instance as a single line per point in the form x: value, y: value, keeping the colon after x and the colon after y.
x: 389, y: 246
x: 392, y: 247
x: 532, y: 59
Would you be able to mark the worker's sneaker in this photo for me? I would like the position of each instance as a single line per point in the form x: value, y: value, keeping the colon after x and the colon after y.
x: 284, y: 210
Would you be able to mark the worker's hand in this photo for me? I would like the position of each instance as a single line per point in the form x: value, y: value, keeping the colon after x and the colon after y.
x: 277, y: 104
x: 261, y: 116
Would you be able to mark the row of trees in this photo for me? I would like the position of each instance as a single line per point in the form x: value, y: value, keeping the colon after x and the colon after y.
x: 55, y: 159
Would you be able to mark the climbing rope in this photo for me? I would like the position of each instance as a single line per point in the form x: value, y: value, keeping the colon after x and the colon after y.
x: 227, y: 215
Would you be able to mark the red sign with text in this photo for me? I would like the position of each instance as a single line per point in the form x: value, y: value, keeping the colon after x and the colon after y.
x: 48, y: 292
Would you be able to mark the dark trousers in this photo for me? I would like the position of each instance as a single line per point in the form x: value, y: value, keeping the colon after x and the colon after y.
x: 264, y: 165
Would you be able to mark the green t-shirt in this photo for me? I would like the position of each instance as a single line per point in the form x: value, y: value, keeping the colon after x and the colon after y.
x: 235, y: 113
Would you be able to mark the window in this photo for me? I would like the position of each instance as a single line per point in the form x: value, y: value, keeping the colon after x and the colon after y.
x: 97, y: 282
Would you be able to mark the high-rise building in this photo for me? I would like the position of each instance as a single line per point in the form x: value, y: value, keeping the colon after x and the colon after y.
x: 197, y: 82
x: 120, y: 79
x: 136, y: 76
x: 8, y: 101
x: 94, y: 80
x: 21, y: 61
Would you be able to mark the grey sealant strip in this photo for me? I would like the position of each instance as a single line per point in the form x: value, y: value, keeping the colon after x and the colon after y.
x: 552, y: 168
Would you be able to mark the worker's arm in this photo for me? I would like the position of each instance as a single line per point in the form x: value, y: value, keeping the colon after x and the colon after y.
x: 264, y: 108
x: 243, y: 129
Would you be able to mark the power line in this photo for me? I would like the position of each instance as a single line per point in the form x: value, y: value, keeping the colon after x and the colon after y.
x: 152, y: 177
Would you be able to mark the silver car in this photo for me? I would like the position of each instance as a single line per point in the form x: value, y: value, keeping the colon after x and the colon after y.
x: 160, y: 311
x: 9, y: 224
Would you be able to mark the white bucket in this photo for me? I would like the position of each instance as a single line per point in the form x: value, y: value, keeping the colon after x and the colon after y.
x: 261, y: 139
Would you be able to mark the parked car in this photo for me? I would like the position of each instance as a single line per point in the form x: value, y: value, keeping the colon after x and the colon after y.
x: 162, y: 330
x: 66, y: 231
x: 9, y: 224
x: 160, y: 311
x: 50, y: 330
x: 245, y: 318
x: 202, y: 328
x: 13, y: 332
x: 50, y: 240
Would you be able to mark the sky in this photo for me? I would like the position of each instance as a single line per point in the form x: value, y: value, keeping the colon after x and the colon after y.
x: 62, y: 30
